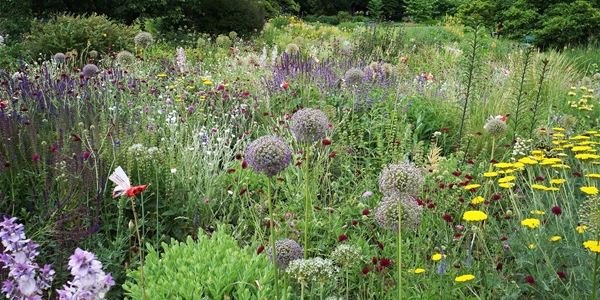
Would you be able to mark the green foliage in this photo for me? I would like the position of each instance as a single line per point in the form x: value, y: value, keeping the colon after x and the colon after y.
x: 520, y: 20
x: 344, y: 16
x: 331, y: 20
x: 213, y: 267
x: 67, y: 32
x: 569, y: 23
x: 14, y: 18
x: 420, y: 10
x: 472, y: 13
x: 280, y: 21
x: 375, y: 8
x: 224, y: 16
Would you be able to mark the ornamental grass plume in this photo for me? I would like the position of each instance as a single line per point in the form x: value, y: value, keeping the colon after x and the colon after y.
x: 401, y: 178
x: 90, y: 70
x: 143, y: 40
x: 309, y: 125
x: 287, y: 251
x: 386, y: 213
x: 268, y: 154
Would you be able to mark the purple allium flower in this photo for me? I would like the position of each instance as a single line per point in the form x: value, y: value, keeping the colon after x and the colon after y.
x: 191, y: 108
x: 268, y: 154
x: 86, y: 155
x: 309, y: 125
x: 386, y: 213
x: 402, y: 178
x: 60, y: 57
x: 90, y: 70
x: 287, y: 250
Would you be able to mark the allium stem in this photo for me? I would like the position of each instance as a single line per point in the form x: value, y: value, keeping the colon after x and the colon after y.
x: 307, y: 206
x: 137, y: 230
x: 347, y: 285
x: 399, y: 250
x: 492, y: 156
x: 272, y: 230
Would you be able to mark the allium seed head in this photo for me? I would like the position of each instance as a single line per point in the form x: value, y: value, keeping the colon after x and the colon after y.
x: 309, y: 125
x: 287, y: 250
x: 90, y: 70
x: 268, y: 154
x: 401, y: 178
x: 143, y: 40
x: 292, y: 49
x: 354, y: 76
x: 346, y: 255
x: 386, y: 213
x: 60, y: 57
x: 125, y: 57
x: 495, y: 126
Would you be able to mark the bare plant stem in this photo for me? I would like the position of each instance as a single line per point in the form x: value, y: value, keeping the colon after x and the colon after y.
x: 272, y: 230
x: 137, y: 230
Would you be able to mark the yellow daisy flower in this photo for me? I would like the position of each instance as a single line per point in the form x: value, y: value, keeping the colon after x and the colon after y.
x: 555, y: 238
x: 590, y: 190
x: 531, y: 223
x: 474, y: 215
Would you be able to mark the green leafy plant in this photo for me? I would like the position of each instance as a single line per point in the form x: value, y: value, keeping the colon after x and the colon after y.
x: 213, y: 267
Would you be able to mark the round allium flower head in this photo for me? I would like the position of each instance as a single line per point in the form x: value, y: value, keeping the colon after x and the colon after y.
x: 386, y: 213
x: 346, y: 255
x: 312, y: 270
x: 495, y: 126
x: 143, y: 40
x: 388, y: 69
x: 309, y: 125
x: 125, y: 57
x: 268, y: 154
x: 60, y: 57
x: 93, y: 54
x: 287, y: 250
x: 402, y: 178
x: 292, y: 49
x: 354, y: 76
x: 90, y: 70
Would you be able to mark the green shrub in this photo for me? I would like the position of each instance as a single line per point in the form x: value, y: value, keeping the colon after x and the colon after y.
x: 564, y: 24
x: 344, y: 16
x: 347, y: 25
x: 360, y: 19
x: 310, y: 18
x: 331, y: 20
x: 280, y: 21
x: 210, y: 268
x: 68, y: 32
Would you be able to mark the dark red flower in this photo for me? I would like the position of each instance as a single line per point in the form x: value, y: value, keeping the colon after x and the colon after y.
x: 230, y: 171
x: 298, y: 163
x: 456, y: 173
x: 260, y: 249
x: 6, y: 164
x: 495, y: 197
x: 576, y: 174
x: 457, y: 235
x: 561, y: 275
x: 342, y: 238
x: 499, y: 267
x: 556, y: 210
x: 244, y: 164
x: 238, y: 156
x: 457, y: 266
x: 242, y: 191
x: 471, y: 162
x: 86, y: 155
x: 134, y: 249
x: 365, y: 271
x: 539, y: 178
x: 374, y: 260
x: 384, y: 262
x: 332, y: 155
x: 444, y: 129
x: 530, y: 280
x: 280, y: 179
x: 268, y: 224
x: 326, y: 142
x: 35, y: 158
x: 430, y: 205
x: 493, y: 161
x: 366, y: 212
x: 469, y: 177
x: 75, y: 137
x: 503, y: 238
x: 354, y: 222
x: 380, y: 245
x: 442, y: 185
x: 447, y: 218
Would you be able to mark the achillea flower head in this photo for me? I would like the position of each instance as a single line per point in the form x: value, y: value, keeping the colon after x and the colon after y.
x: 309, y: 125
x: 287, y: 250
x: 346, y: 255
x: 402, y: 178
x: 354, y: 76
x: 386, y: 213
x: 125, y: 57
x: 90, y: 70
x: 464, y: 278
x: 60, y: 57
x: 268, y: 154
x: 313, y: 270
x: 143, y: 40
x: 495, y: 126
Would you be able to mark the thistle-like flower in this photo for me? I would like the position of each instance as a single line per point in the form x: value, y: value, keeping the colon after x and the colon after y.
x: 309, y: 125
x: 90, y: 70
x: 268, y: 154
x: 495, y: 126
x: 402, y: 178
x: 386, y: 213
x: 287, y: 250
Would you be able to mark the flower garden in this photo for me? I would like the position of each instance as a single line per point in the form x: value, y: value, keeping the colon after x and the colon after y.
x: 377, y: 161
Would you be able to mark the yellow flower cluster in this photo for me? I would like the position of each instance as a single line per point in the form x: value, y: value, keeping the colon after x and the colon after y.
x: 531, y: 223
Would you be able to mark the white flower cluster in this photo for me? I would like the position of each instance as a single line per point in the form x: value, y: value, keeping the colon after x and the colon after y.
x: 346, y: 255
x: 521, y: 148
x: 312, y: 270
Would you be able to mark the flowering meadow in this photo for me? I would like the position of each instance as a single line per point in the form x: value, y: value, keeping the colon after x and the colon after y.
x: 374, y: 161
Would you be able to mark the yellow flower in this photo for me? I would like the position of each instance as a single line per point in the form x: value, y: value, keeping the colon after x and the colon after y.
x: 555, y: 238
x: 590, y: 190
x: 558, y: 135
x: 585, y: 156
x: 531, y: 246
x: 162, y: 75
x: 558, y: 129
x: 581, y: 229
x: 506, y: 179
x: 419, y: 271
x: 537, y: 212
x: 474, y: 215
x: 104, y: 35
x: 558, y: 181
x: 536, y: 152
x: 528, y: 161
x: 472, y: 186
x: 464, y: 278
x: 552, y: 189
x: 207, y: 82
x: 594, y: 246
x: 593, y: 175
x: 559, y: 166
x: 531, y: 223
x: 579, y: 137
x: 490, y: 174
x: 538, y: 187
x: 477, y: 200
x: 437, y: 257
x: 581, y: 148
x: 506, y: 185
x: 503, y: 165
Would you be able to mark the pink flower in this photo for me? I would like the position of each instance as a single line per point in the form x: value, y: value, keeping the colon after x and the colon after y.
x: 35, y: 158
x: 367, y: 194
